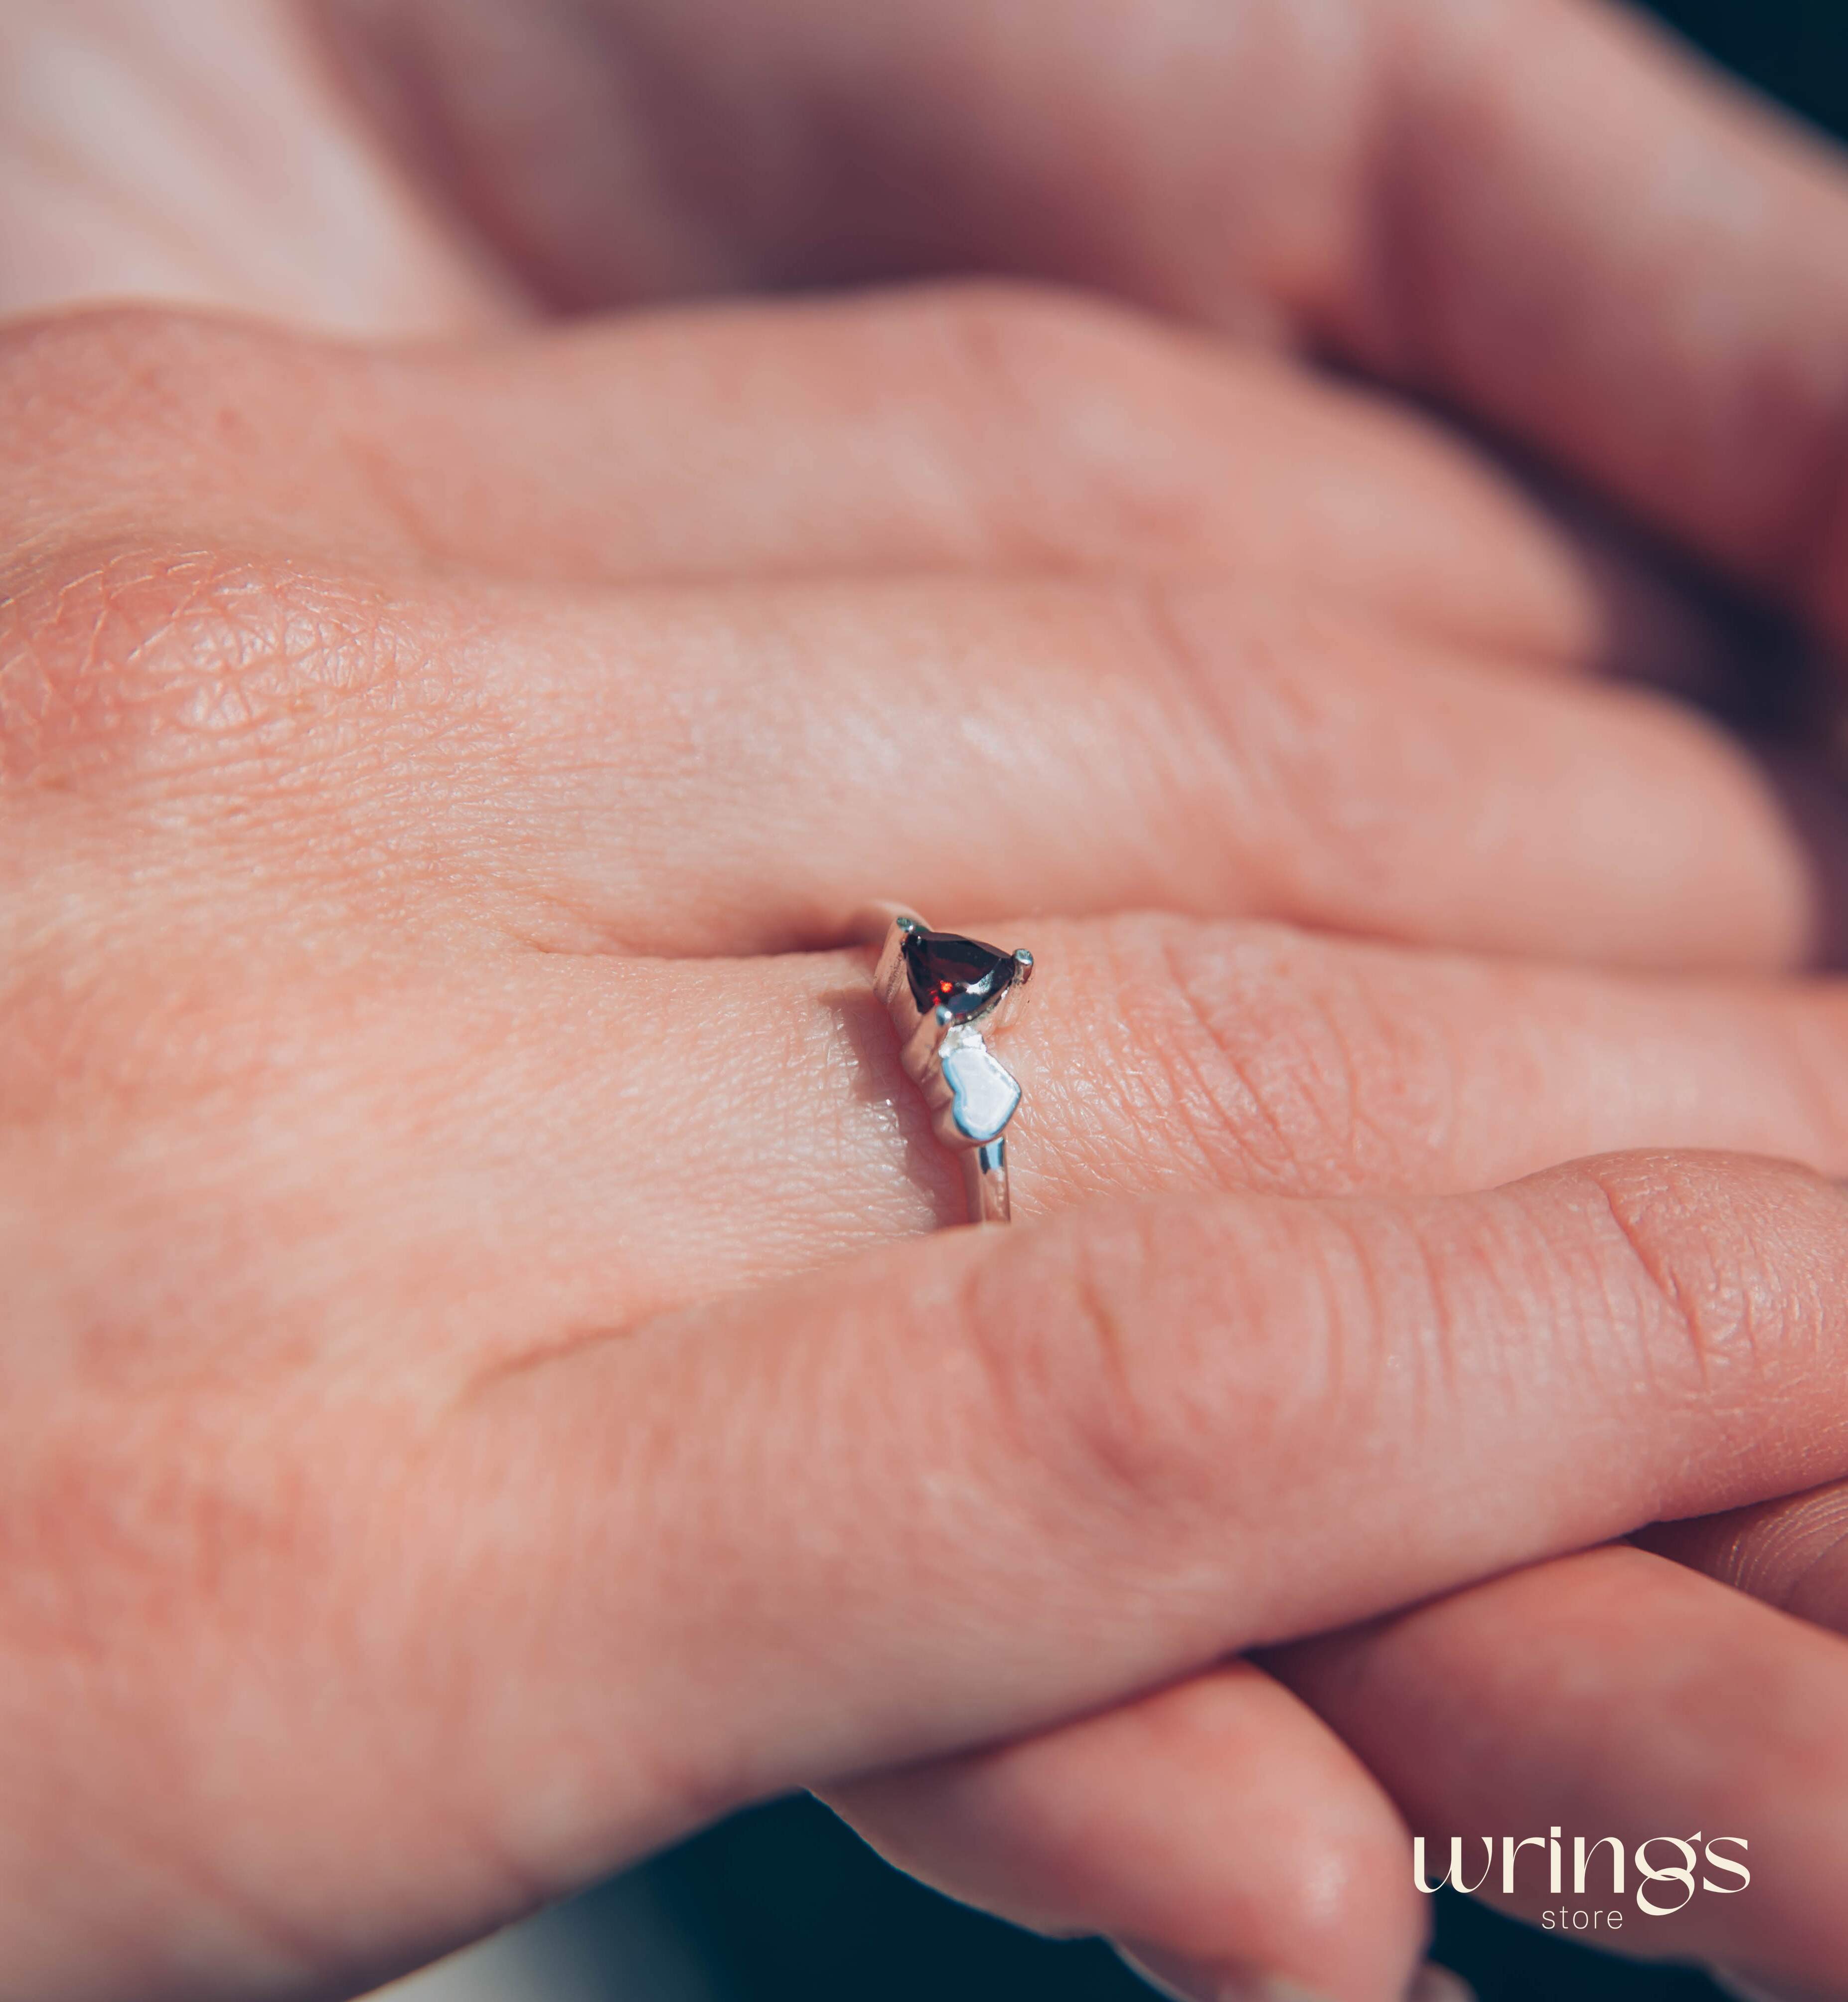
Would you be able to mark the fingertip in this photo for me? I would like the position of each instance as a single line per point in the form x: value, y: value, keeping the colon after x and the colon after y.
x: 1216, y: 1829
x: 1184, y: 1982
x: 1744, y: 1990
x: 1433, y: 1983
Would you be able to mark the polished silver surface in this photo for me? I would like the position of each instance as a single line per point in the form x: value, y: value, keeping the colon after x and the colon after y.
x: 972, y: 1095
x: 984, y: 1182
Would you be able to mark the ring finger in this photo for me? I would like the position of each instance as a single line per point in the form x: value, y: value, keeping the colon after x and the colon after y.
x: 642, y: 1132
x: 737, y: 772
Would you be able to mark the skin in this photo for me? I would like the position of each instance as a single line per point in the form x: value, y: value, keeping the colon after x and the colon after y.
x: 426, y: 767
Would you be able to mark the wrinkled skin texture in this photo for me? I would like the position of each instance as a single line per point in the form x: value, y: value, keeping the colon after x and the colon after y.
x: 468, y: 1414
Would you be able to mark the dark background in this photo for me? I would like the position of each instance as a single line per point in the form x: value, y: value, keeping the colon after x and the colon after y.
x: 784, y: 1905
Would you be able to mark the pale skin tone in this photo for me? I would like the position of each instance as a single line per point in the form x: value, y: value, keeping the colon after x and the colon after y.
x: 474, y: 1410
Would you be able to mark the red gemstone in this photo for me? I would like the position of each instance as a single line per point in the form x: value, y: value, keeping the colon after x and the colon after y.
x: 962, y: 974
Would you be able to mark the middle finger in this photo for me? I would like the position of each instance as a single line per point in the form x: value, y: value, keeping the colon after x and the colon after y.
x: 737, y: 772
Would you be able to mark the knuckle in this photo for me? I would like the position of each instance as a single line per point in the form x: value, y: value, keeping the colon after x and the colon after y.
x: 1734, y: 1264
x: 1284, y: 704
x: 1015, y: 327
x: 129, y: 648
x: 1279, y: 1064
x: 1078, y: 385
x: 1111, y: 1408
x: 1296, y: 699
x: 126, y: 662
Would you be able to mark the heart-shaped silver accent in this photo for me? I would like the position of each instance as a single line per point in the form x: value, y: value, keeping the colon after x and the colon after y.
x: 982, y: 1091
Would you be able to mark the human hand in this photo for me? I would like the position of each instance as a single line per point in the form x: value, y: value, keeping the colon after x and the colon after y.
x: 1531, y: 211
x: 431, y: 1479
x: 1495, y: 904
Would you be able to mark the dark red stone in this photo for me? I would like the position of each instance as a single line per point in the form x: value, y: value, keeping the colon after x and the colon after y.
x: 960, y: 974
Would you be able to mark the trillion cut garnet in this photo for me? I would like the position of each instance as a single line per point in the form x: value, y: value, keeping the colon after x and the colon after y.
x: 960, y: 974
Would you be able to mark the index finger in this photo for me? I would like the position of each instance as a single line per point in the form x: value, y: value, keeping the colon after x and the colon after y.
x: 515, y: 1623
x: 984, y: 1483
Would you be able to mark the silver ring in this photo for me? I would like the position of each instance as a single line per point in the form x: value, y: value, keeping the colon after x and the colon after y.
x: 946, y: 995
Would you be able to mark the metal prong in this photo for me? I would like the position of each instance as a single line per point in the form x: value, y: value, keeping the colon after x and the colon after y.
x: 1012, y: 998
x: 868, y: 924
x: 888, y: 975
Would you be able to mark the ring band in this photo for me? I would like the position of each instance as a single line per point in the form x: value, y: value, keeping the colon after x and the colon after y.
x: 946, y: 994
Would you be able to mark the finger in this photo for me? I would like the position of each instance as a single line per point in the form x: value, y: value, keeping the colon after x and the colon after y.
x: 561, y: 1605
x: 953, y: 428
x: 213, y: 157
x: 955, y: 145
x: 1155, y: 1414
x: 1161, y: 1056
x: 1156, y: 1057
x: 1218, y: 1826
x: 979, y: 746
x: 1396, y: 183
x: 1791, y: 1553
x: 1709, y: 1719
x: 993, y: 749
